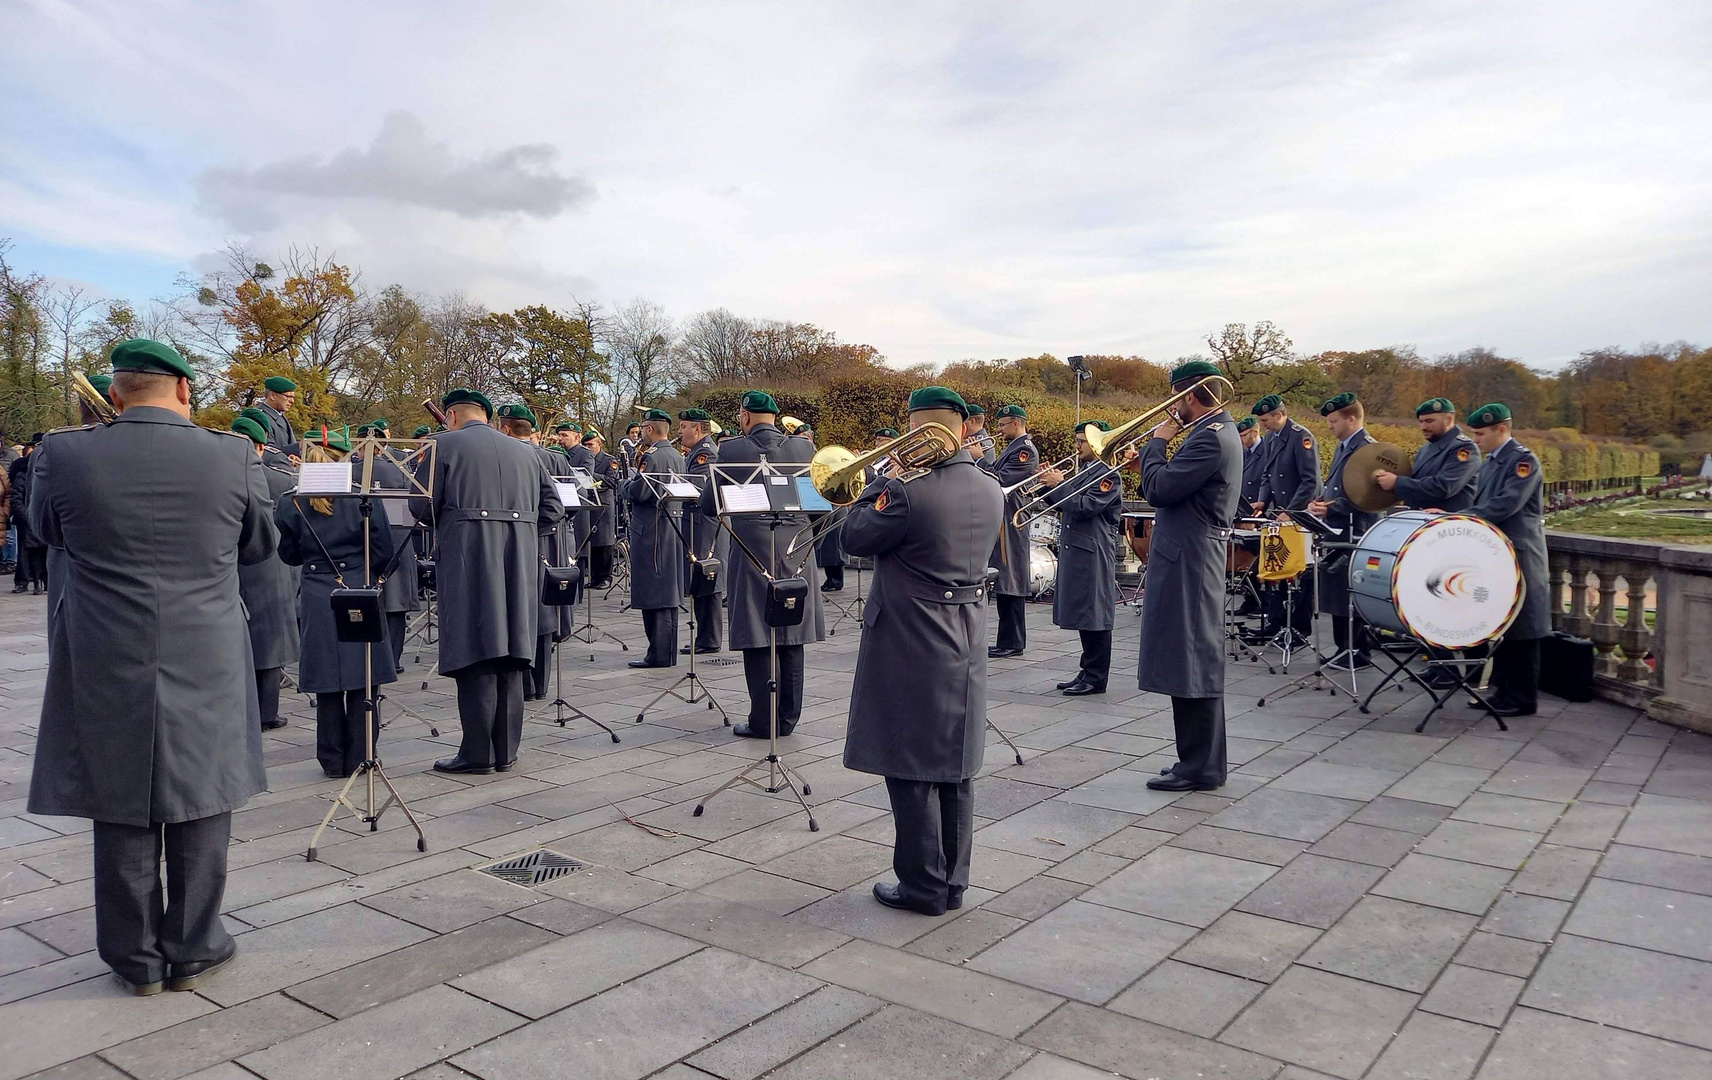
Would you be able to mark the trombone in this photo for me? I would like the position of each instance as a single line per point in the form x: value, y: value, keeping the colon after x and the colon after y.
x: 100, y: 407
x: 1109, y: 446
x: 836, y: 471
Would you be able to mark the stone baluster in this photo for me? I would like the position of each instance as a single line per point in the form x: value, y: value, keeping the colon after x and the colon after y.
x: 1556, y: 565
x: 1605, y: 628
x: 1635, y: 638
x: 1577, y: 621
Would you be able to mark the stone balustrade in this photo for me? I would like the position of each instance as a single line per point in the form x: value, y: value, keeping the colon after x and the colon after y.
x: 1665, y: 668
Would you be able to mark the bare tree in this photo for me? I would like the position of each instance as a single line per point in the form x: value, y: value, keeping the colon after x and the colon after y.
x: 66, y: 309
x: 639, y: 340
x: 715, y: 347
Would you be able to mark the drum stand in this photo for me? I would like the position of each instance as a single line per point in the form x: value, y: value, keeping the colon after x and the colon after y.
x: 1326, y: 674
x: 850, y: 609
x: 1465, y: 669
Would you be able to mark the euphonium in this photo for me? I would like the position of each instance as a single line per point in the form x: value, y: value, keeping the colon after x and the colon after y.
x: 837, y: 472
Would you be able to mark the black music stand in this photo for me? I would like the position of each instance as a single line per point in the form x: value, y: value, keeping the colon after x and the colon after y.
x: 563, y: 711
x: 370, y: 767
x: 589, y: 633
x: 664, y: 485
x: 734, y: 497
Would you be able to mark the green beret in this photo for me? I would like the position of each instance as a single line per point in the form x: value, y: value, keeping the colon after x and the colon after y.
x: 1269, y: 403
x: 976, y: 410
x: 1101, y: 424
x: 255, y: 413
x: 463, y: 395
x: 657, y: 416
x: 363, y: 431
x: 141, y: 354
x: 760, y: 401
x: 1433, y: 405
x: 700, y: 416
x: 1193, y: 369
x: 592, y: 433
x: 1487, y: 415
x: 1244, y: 424
x: 243, y: 425
x: 1332, y: 405
x: 332, y: 440
x: 565, y: 426
x: 1011, y: 410
x: 516, y: 410
x: 379, y: 423
x: 938, y: 397
x: 421, y: 430
x: 886, y: 433
x: 279, y: 384
x: 103, y: 385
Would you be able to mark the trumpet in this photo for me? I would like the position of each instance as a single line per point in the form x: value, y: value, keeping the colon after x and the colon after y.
x: 101, y: 408
x: 1109, y: 446
x: 836, y: 471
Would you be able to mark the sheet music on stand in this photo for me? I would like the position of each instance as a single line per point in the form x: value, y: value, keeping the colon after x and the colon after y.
x: 765, y: 488
x: 672, y: 487
x: 324, y: 478
x: 569, y: 494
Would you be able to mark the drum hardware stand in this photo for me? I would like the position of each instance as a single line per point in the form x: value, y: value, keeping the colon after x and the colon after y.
x: 370, y: 767
x: 780, y: 775
x: 686, y: 532
x: 589, y: 633
x: 1466, y: 669
x: 849, y: 609
x: 1322, y: 676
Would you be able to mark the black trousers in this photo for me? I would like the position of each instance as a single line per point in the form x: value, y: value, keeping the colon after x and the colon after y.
x: 661, y: 626
x: 1013, y: 622
x: 834, y: 576
x: 1275, y: 597
x: 542, y: 669
x: 1516, y: 673
x: 339, y: 743
x: 397, y: 626
x: 137, y: 931
x: 267, y: 692
x: 935, y: 832
x: 709, y: 621
x: 1341, y: 626
x: 1096, y: 657
x: 600, y: 566
x: 1200, y: 727
x: 32, y: 566
x: 490, y: 708
x: 757, y: 673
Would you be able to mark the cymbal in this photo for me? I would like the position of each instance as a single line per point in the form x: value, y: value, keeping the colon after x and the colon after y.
x: 1358, y: 483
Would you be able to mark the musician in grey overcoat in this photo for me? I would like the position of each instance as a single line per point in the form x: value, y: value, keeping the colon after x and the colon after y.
x: 581, y: 520
x: 278, y: 395
x: 1511, y: 495
x: 608, y: 474
x: 399, y: 594
x: 918, y: 706
x: 1443, y: 475
x: 656, y: 547
x: 977, y: 439
x: 1346, y: 416
x: 491, y: 500
x: 556, y: 545
x: 1011, y: 555
x: 1254, y: 451
x: 326, y: 537
x: 269, y: 592
x: 1090, y: 506
x: 1195, y: 492
x: 746, y: 586
x: 149, y: 720
x: 1290, y: 470
x: 707, y: 539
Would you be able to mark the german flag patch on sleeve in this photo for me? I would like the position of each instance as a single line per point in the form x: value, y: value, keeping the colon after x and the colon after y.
x: 1022, y: 456
x: 1105, y: 485
x: 1307, y: 442
x: 883, y: 501
x: 1462, y: 455
x: 1523, y: 468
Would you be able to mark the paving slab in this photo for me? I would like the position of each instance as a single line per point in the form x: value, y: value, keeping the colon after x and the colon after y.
x: 1439, y: 782
x: 1435, y: 1047
x: 1187, y: 998
x: 1053, y: 829
x: 1489, y: 845
x: 1649, y: 992
x: 751, y: 1051
x: 1232, y: 843
x: 1473, y: 994
x: 963, y: 938
x: 1035, y: 897
x: 452, y: 901
x: 65, y: 1024
x: 302, y: 949
x: 1140, y: 1050
x: 1402, y: 815
x: 548, y: 978
x: 1294, y: 815
x: 1368, y: 844
x: 1248, y: 946
x: 900, y: 1042
x: 1542, y: 1046
x: 1189, y: 887
x: 740, y: 929
x: 1446, y: 883
x: 1392, y: 943
x: 1312, y: 890
x: 1647, y: 866
x: 1322, y: 1021
x: 1083, y: 951
x: 952, y: 992
x: 1669, y: 824
x: 213, y: 1038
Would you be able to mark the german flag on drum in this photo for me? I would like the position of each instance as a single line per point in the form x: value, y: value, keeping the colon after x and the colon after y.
x: 1373, y: 562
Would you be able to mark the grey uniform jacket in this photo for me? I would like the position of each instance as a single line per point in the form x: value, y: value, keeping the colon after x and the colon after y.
x: 491, y: 499
x: 280, y: 435
x: 745, y: 586
x: 149, y: 713
x: 558, y: 547
x: 989, y: 448
x: 398, y: 592
x: 656, y: 549
x: 918, y: 707
x: 1511, y: 496
x: 581, y: 520
x: 1445, y: 472
x: 1350, y: 520
x: 706, y: 537
x: 1253, y: 472
x: 1291, y: 479
x: 604, y: 518
x: 328, y: 665
x: 269, y: 589
x: 1195, y: 493
x: 1086, y: 596
x: 1019, y: 462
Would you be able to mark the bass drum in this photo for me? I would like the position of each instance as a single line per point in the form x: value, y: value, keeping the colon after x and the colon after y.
x: 1042, y: 570
x: 1450, y: 580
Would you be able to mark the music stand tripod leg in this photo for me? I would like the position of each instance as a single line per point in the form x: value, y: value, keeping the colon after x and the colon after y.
x: 1006, y: 738
x: 563, y: 711
x: 690, y: 677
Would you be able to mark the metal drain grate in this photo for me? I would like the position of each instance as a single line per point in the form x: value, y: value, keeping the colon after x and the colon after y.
x: 721, y: 661
x: 534, y: 868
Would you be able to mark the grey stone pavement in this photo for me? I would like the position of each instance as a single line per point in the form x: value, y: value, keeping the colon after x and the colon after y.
x: 1358, y: 901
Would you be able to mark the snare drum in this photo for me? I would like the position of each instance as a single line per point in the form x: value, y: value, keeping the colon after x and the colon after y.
x: 1042, y: 569
x: 1451, y: 580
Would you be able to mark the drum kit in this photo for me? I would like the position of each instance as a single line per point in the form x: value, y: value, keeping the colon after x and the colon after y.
x: 1042, y: 556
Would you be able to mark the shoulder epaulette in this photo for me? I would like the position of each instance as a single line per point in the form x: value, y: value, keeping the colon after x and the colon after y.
x: 71, y: 427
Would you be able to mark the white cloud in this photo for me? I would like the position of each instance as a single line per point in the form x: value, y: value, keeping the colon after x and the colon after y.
x: 940, y: 180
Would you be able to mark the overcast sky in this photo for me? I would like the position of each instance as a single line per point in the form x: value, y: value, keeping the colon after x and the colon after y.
x: 940, y: 180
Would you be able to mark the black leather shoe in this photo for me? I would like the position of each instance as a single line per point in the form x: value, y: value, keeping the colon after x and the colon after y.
x: 136, y: 989
x: 1083, y: 689
x: 996, y: 653
x: 830, y: 587
x: 887, y: 893
x: 1256, y: 637
x: 273, y: 725
x: 1506, y: 708
x: 744, y: 731
x: 1068, y: 685
x: 646, y: 664
x: 707, y: 649
x: 189, y: 976
x: 507, y: 767
x: 953, y: 899
x: 459, y: 765
x: 1173, y: 782
x: 683, y: 650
